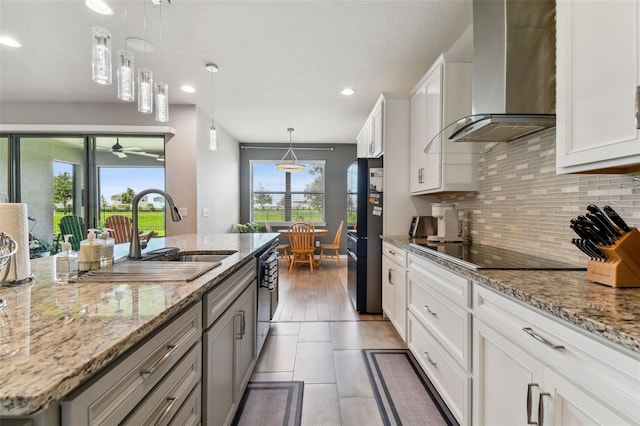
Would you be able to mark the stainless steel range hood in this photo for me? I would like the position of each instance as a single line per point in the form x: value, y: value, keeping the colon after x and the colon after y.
x: 513, y: 71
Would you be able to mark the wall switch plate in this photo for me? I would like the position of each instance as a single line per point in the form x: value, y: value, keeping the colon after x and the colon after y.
x: 183, y: 211
x: 205, y: 212
x: 317, y: 243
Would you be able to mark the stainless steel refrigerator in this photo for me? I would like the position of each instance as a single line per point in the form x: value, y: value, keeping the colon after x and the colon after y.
x: 364, y: 247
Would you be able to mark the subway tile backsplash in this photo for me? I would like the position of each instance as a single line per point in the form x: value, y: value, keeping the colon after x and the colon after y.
x: 523, y: 205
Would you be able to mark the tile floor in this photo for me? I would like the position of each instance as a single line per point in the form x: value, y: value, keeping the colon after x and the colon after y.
x: 326, y: 356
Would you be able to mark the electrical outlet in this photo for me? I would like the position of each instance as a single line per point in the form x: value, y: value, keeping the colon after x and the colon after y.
x: 183, y: 211
x: 317, y: 243
x: 205, y: 212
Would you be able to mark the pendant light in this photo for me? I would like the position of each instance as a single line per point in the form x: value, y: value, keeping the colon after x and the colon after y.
x: 292, y: 165
x: 101, y: 55
x: 162, y: 88
x: 125, y: 73
x: 145, y: 77
x: 213, y: 134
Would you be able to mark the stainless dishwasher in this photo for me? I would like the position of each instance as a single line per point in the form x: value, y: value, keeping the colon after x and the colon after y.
x: 267, y: 274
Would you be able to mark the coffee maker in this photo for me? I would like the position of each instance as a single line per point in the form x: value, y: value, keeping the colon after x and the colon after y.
x: 447, y: 223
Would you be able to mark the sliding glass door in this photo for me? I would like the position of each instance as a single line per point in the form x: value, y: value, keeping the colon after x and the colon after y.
x: 89, y: 177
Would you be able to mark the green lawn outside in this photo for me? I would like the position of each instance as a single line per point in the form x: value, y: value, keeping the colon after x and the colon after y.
x: 277, y: 215
x: 147, y: 220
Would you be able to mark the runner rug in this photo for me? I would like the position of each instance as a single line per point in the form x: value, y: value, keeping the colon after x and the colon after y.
x: 270, y: 403
x: 404, y: 394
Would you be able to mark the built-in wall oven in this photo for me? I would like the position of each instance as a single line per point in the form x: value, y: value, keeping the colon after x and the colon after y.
x: 267, y: 292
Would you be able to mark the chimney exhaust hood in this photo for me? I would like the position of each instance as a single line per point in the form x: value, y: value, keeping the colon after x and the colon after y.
x: 513, y: 84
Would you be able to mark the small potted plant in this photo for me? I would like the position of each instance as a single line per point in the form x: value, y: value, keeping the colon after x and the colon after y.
x: 38, y: 248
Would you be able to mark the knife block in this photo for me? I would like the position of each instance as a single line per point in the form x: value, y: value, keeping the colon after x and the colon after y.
x: 622, y: 267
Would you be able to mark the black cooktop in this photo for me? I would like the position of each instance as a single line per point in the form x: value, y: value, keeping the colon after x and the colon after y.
x: 486, y: 257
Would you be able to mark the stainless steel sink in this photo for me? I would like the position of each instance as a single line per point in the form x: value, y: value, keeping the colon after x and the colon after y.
x: 203, y: 256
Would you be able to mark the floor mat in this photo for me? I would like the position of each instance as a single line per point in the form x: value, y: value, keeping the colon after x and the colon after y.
x: 404, y: 394
x: 270, y: 403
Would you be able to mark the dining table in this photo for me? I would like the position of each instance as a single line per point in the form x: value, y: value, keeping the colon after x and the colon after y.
x: 317, y: 232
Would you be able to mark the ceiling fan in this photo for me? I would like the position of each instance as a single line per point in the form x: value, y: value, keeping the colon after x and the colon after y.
x: 121, y: 152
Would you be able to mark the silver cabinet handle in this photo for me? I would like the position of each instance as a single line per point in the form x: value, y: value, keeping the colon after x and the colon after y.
x: 530, y: 403
x: 541, y: 408
x: 432, y: 362
x: 539, y: 338
x: 158, y: 362
x: 430, y: 311
x: 637, y: 107
x: 389, y: 276
x: 243, y: 324
x: 170, y: 401
x: 391, y: 252
x: 240, y: 333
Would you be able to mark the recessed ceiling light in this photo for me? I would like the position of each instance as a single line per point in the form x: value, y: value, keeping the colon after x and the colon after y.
x: 140, y: 45
x: 348, y: 91
x: 188, y: 89
x: 99, y: 6
x: 8, y: 41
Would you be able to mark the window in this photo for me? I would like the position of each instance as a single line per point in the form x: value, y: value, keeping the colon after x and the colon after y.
x: 279, y: 197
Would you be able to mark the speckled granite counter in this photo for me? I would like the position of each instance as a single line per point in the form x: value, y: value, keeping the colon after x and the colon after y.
x: 53, y: 337
x: 604, y: 312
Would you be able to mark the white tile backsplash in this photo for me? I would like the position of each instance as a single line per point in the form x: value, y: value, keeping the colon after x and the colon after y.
x: 523, y: 205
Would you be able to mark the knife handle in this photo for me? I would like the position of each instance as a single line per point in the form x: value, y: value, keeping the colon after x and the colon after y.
x: 615, y: 218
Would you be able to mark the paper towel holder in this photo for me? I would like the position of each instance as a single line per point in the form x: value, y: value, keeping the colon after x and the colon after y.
x: 8, y: 250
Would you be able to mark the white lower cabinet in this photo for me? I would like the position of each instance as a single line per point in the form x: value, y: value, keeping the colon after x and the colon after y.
x: 394, y: 287
x: 229, y: 351
x: 152, y: 381
x: 439, y: 331
x: 531, y: 369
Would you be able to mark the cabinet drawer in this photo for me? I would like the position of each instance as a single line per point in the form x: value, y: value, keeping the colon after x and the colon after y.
x: 448, y: 322
x: 190, y: 414
x: 217, y: 300
x: 609, y: 374
x: 453, y: 383
x: 165, y: 400
x: 395, y: 254
x: 109, y: 397
x: 453, y: 286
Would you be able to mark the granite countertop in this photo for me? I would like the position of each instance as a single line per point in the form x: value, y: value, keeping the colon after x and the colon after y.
x: 608, y: 313
x: 53, y: 337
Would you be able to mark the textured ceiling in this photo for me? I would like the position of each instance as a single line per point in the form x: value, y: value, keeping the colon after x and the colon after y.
x: 282, y: 63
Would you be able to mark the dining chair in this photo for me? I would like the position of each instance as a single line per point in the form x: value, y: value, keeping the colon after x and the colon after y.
x: 121, y: 227
x: 302, y: 240
x: 74, y: 226
x: 335, y: 246
x: 282, y: 248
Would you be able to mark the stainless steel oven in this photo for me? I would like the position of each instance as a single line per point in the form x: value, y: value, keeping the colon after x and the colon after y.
x: 267, y: 292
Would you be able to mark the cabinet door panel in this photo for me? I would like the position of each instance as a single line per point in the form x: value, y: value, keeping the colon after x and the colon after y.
x: 501, y: 378
x: 245, y: 340
x: 598, y: 72
x: 433, y: 177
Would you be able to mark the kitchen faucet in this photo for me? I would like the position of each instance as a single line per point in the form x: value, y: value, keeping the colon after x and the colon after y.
x: 134, y: 247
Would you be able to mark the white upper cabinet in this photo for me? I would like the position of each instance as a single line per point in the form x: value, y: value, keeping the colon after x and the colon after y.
x: 598, y: 73
x: 371, y: 136
x: 442, y: 96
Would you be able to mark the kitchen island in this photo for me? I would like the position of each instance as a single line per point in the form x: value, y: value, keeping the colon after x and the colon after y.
x: 54, y: 337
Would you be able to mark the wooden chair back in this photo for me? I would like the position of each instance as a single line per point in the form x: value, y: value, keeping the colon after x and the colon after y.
x: 120, y: 228
x: 302, y: 237
x: 336, y: 239
x: 73, y: 225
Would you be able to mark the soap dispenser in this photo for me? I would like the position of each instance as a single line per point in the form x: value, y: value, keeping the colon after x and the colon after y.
x: 66, y: 263
x: 107, y: 247
x: 90, y: 252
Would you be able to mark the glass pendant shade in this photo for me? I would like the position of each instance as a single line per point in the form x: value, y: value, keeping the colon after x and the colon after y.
x: 291, y: 165
x: 162, y: 102
x: 126, y: 86
x: 213, y: 138
x: 101, y: 55
x: 145, y: 91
